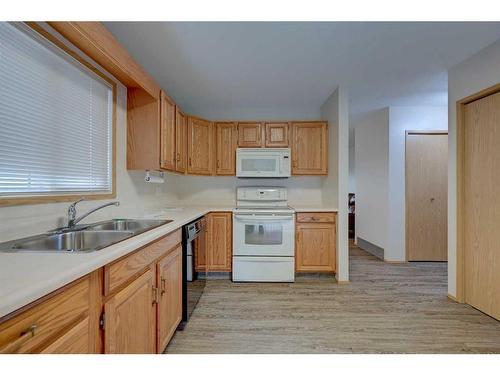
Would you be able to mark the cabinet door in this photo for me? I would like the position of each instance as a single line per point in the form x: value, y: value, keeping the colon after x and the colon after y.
x: 315, y: 248
x: 74, y: 341
x: 167, y: 133
x: 200, y: 249
x: 181, y: 131
x: 170, y: 301
x: 225, y: 137
x: 130, y: 318
x: 309, y: 148
x: 250, y: 134
x: 219, y: 247
x: 277, y: 134
x: 200, y: 146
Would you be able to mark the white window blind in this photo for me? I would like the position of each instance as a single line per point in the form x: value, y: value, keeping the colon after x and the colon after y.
x: 56, y: 119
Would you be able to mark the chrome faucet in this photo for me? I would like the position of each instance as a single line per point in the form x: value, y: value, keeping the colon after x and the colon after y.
x: 73, y: 220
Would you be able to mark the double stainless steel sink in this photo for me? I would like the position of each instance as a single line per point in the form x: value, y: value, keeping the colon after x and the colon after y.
x: 83, y: 238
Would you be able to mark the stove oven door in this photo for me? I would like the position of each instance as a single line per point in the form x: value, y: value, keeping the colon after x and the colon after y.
x: 263, y: 235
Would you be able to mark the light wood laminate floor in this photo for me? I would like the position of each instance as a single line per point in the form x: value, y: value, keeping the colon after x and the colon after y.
x: 387, y: 308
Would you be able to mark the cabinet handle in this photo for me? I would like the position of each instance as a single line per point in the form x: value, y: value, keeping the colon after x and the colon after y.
x: 163, y: 286
x: 178, y: 157
x: 218, y: 163
x: 314, y: 218
x: 13, y: 346
x: 155, y: 296
x: 190, y: 164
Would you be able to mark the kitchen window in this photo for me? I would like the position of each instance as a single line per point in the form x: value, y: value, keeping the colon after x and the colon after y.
x: 57, y: 120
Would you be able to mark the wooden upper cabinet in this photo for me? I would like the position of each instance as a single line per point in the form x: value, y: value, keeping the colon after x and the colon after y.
x: 170, y: 299
x: 277, y: 134
x: 130, y: 318
x: 167, y: 133
x: 309, y: 148
x: 200, y: 146
x: 143, y: 131
x: 181, y: 134
x: 226, y: 141
x: 219, y: 244
x: 250, y: 134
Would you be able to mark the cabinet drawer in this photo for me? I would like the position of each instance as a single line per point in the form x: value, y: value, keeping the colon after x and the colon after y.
x: 74, y: 341
x: 34, y: 328
x: 316, y: 217
x: 118, y: 272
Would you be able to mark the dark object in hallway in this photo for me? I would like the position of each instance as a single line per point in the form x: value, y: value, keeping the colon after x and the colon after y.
x: 351, y: 210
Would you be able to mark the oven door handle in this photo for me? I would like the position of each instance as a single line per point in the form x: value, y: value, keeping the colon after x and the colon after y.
x: 253, y: 218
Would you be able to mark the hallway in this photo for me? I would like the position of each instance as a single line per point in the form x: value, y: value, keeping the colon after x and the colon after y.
x: 387, y: 308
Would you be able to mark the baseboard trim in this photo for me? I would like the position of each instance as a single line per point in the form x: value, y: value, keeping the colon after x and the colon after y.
x: 373, y: 249
x: 395, y: 261
x: 454, y: 299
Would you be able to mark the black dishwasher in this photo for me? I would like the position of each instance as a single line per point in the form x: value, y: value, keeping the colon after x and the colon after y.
x: 194, y: 271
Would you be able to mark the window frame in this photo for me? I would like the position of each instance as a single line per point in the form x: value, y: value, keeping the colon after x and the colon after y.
x: 38, y: 198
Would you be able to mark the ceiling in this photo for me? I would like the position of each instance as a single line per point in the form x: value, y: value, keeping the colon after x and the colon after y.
x: 216, y: 69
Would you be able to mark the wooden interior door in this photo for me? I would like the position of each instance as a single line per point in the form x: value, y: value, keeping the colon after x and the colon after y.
x: 170, y: 303
x: 181, y: 133
x: 130, y: 318
x: 167, y: 133
x: 427, y: 196
x: 309, y: 148
x: 200, y: 146
x: 219, y: 244
x: 481, y: 206
x: 315, y: 247
x: 277, y: 134
x: 225, y: 138
x: 250, y: 134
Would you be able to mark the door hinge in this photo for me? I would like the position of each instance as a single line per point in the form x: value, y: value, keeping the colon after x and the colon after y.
x: 101, y: 321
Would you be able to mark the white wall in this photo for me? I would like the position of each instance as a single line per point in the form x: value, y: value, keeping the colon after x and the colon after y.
x: 352, y: 163
x: 335, y: 110
x: 472, y: 75
x: 402, y: 119
x: 134, y: 194
x: 208, y: 190
x: 372, y: 155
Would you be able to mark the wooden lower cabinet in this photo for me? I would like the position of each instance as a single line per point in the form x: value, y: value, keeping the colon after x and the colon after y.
x: 74, y: 341
x: 130, y: 317
x: 315, y: 244
x: 170, y: 299
x: 219, y: 241
x: 57, y: 324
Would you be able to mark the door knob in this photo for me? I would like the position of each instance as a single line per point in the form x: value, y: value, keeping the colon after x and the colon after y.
x: 432, y: 200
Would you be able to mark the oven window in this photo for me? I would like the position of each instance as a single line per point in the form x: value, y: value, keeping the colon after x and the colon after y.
x: 264, y: 165
x: 264, y: 234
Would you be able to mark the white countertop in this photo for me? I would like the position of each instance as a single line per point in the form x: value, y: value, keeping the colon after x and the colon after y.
x: 314, y: 209
x: 27, y: 276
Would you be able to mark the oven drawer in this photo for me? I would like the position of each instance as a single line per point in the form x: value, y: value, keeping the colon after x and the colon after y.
x: 264, y: 269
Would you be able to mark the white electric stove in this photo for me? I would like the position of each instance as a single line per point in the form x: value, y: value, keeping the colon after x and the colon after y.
x: 263, y: 235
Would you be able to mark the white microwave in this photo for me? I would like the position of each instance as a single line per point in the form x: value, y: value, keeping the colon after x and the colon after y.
x: 263, y: 162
